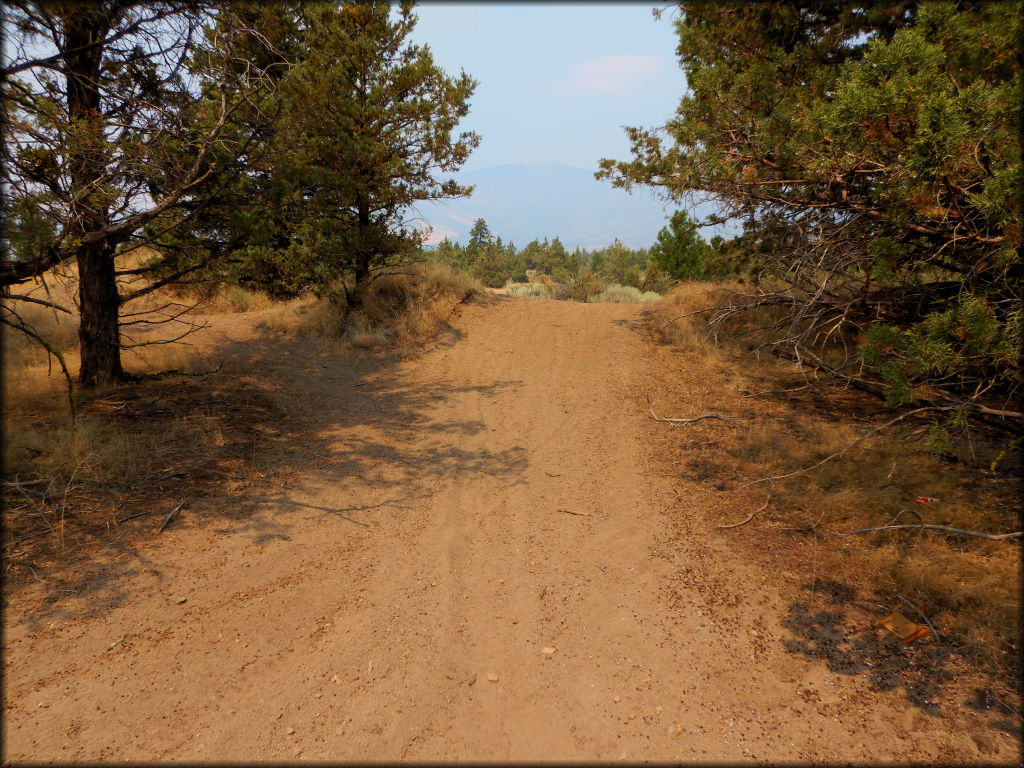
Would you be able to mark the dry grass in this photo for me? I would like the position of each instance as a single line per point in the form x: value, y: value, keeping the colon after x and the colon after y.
x: 129, y: 443
x: 534, y: 290
x: 968, y: 587
x: 623, y: 294
x: 224, y: 299
x: 399, y: 311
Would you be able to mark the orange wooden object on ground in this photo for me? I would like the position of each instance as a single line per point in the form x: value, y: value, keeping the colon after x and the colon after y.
x: 902, y: 627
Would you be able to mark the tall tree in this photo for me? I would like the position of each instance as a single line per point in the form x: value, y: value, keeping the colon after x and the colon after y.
x: 872, y: 150
x: 366, y: 131
x: 95, y: 94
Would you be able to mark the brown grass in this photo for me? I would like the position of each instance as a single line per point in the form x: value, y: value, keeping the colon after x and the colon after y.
x: 968, y: 587
x: 132, y: 444
x: 399, y: 311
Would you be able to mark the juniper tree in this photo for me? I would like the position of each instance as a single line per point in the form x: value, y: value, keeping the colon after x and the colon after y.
x: 369, y: 125
x: 872, y: 152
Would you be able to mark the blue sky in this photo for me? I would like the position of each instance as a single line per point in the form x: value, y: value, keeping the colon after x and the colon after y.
x: 557, y: 81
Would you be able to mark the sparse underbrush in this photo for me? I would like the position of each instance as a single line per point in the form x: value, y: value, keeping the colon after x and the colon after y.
x: 531, y: 290
x: 400, y: 309
x: 968, y: 587
x: 582, y: 290
x: 623, y: 294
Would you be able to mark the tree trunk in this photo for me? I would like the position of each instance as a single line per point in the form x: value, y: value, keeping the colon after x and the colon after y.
x: 99, y: 303
x: 99, y: 332
x: 363, y: 256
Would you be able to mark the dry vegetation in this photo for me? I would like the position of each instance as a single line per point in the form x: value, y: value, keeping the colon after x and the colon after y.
x: 401, y: 308
x: 969, y: 588
x: 73, y: 487
x: 135, y: 448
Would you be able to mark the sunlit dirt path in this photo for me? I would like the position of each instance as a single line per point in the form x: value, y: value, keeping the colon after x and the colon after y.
x: 475, y: 554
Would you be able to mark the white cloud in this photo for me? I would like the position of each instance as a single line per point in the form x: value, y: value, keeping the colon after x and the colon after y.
x: 436, y: 233
x: 615, y: 75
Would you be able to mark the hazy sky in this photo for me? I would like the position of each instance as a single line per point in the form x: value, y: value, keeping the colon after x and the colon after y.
x: 557, y: 81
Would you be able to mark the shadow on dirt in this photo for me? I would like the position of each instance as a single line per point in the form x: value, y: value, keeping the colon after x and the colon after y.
x: 822, y: 629
x: 228, y: 444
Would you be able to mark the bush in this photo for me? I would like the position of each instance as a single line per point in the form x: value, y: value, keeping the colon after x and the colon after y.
x: 580, y: 286
x: 623, y: 294
x: 531, y: 290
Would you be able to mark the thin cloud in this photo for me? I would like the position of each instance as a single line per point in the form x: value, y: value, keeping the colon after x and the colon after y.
x: 615, y: 75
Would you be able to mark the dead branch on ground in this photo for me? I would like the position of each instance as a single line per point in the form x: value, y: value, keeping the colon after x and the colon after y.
x: 650, y: 410
x: 946, y: 528
x: 855, y: 443
x: 750, y: 517
x: 170, y: 516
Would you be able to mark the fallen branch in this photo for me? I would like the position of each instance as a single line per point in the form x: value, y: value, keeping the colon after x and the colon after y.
x: 30, y: 536
x: 26, y: 483
x: 205, y: 373
x: 689, y: 314
x: 777, y: 391
x: 578, y: 514
x: 132, y: 517
x: 653, y: 415
x: 170, y: 516
x: 989, y: 536
x: 855, y: 443
x: 698, y: 418
x: 751, y: 516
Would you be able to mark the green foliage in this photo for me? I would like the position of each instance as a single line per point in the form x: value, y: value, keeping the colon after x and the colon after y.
x: 494, y: 266
x: 967, y: 343
x: 581, y: 285
x: 872, y: 152
x: 360, y: 126
x: 619, y: 264
x: 681, y: 252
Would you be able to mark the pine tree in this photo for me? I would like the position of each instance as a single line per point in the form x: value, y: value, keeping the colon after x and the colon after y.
x: 103, y: 138
x: 680, y: 251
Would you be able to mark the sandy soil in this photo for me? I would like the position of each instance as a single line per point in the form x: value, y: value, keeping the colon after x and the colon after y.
x: 473, y: 553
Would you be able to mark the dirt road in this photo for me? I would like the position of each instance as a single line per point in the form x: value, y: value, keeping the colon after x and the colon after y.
x: 475, y: 554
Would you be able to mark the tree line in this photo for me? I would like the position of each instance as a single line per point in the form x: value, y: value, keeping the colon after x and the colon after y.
x: 679, y: 253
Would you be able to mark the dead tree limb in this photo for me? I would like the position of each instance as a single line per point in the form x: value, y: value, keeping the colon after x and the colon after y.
x: 650, y: 410
x: 170, y: 516
x: 19, y: 324
x: 855, y: 443
x: 751, y: 516
x: 946, y: 528
x: 26, y: 483
x: 126, y: 518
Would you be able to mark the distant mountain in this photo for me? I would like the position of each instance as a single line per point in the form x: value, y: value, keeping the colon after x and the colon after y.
x: 523, y: 202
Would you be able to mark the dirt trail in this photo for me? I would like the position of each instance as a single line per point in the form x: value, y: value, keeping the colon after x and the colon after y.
x: 456, y: 517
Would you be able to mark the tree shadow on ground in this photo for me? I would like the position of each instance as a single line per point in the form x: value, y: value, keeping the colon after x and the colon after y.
x: 822, y: 629
x: 226, y: 444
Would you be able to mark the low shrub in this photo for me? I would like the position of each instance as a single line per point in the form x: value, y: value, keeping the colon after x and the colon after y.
x: 531, y: 290
x: 623, y: 294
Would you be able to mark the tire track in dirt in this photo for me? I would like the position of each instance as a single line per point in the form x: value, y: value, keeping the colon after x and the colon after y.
x: 456, y: 514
